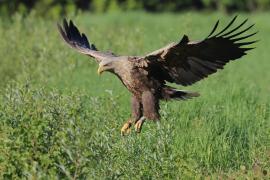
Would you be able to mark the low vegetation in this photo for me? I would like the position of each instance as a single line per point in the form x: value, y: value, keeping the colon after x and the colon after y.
x: 59, y: 119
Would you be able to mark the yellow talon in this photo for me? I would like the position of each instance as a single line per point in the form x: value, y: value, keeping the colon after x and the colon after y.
x: 138, y: 125
x: 126, y: 128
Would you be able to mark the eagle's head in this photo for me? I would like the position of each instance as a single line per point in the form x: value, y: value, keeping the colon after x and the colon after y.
x: 107, y: 65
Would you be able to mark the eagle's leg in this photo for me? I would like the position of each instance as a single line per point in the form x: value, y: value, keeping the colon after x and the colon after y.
x: 150, y: 109
x: 150, y: 105
x: 136, y: 107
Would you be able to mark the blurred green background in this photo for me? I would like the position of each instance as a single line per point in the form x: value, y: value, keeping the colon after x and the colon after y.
x: 59, y: 120
x: 54, y: 8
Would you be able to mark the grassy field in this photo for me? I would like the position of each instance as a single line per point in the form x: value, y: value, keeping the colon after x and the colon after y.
x: 59, y: 119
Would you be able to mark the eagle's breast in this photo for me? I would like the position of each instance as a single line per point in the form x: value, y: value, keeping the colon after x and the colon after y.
x: 134, y: 78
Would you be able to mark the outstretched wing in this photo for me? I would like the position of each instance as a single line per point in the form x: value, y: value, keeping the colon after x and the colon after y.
x: 78, y: 41
x: 187, y: 62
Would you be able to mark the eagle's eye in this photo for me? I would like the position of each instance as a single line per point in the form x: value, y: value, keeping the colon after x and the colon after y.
x: 109, y: 64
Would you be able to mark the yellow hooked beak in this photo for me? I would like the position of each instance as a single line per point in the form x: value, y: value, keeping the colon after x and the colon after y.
x: 100, y: 70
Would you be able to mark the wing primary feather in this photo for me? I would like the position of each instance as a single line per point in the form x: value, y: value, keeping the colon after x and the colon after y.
x: 93, y: 47
x: 75, y: 33
x: 241, y: 32
x: 232, y: 21
x: 244, y: 37
x: 245, y: 43
x: 247, y: 49
x: 214, y: 29
x: 184, y: 40
x: 235, y: 28
x: 63, y: 34
x: 85, y: 41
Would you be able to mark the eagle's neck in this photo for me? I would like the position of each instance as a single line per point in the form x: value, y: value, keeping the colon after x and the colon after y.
x: 122, y: 68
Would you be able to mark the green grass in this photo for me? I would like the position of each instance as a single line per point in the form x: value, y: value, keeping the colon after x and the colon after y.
x: 59, y: 119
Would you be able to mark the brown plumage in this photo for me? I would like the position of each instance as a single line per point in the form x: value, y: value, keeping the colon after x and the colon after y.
x: 184, y: 63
